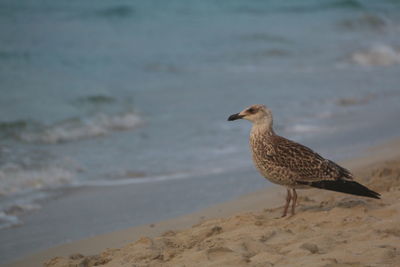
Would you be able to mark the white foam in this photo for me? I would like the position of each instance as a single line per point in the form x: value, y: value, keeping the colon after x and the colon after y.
x: 378, y: 55
x: 8, y: 220
x: 128, y: 181
x: 76, y: 129
x: 16, y: 179
x: 24, y: 204
x: 149, y: 179
x: 20, y: 188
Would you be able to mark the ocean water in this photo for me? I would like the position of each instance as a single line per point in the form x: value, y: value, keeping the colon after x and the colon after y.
x: 102, y: 93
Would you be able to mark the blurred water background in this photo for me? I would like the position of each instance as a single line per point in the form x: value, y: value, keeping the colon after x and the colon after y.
x: 103, y: 93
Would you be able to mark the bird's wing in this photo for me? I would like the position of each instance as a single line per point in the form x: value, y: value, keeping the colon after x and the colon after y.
x: 305, y: 164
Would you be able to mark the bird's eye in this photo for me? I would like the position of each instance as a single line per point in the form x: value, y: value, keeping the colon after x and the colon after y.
x: 251, y: 110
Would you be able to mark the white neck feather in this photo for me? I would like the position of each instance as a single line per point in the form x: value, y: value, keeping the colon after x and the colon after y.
x: 262, y: 127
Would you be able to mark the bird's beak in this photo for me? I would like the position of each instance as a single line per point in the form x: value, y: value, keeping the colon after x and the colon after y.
x: 235, y: 117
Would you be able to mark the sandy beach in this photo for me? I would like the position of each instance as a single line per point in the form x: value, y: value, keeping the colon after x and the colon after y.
x: 329, y: 229
x: 116, y: 150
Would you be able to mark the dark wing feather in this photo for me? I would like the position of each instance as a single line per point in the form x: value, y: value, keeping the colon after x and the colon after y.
x: 305, y: 164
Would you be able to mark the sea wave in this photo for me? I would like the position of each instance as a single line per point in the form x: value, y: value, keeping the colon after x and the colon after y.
x: 21, y: 187
x: 15, y: 178
x: 259, y: 8
x: 94, y: 100
x: 71, y: 129
x: 364, y: 22
x: 9, y: 212
x: 133, y: 180
x: 378, y: 55
x: 119, y: 11
x: 263, y: 37
x: 8, y: 220
x: 121, y: 179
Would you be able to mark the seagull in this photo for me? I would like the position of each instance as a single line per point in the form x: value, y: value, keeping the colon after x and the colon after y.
x: 291, y: 164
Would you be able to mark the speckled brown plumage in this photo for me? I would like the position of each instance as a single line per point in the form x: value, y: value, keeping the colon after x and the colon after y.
x: 286, y: 162
x: 291, y: 164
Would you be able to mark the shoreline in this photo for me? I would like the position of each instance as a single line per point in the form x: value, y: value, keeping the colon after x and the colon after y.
x: 266, y: 199
x: 119, y: 238
x: 89, y: 211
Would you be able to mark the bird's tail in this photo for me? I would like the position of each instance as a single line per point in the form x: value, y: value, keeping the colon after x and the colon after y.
x: 344, y: 186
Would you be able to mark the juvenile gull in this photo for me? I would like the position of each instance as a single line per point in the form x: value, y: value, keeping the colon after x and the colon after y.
x: 293, y: 165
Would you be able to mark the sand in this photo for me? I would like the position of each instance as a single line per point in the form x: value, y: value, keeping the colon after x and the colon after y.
x: 329, y: 229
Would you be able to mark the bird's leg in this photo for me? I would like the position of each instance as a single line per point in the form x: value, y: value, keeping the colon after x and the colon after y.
x: 288, y: 198
x: 294, y: 201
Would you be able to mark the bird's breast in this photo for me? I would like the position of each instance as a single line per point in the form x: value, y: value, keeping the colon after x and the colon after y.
x: 265, y: 160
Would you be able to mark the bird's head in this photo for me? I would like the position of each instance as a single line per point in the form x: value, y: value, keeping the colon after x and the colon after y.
x: 257, y: 114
